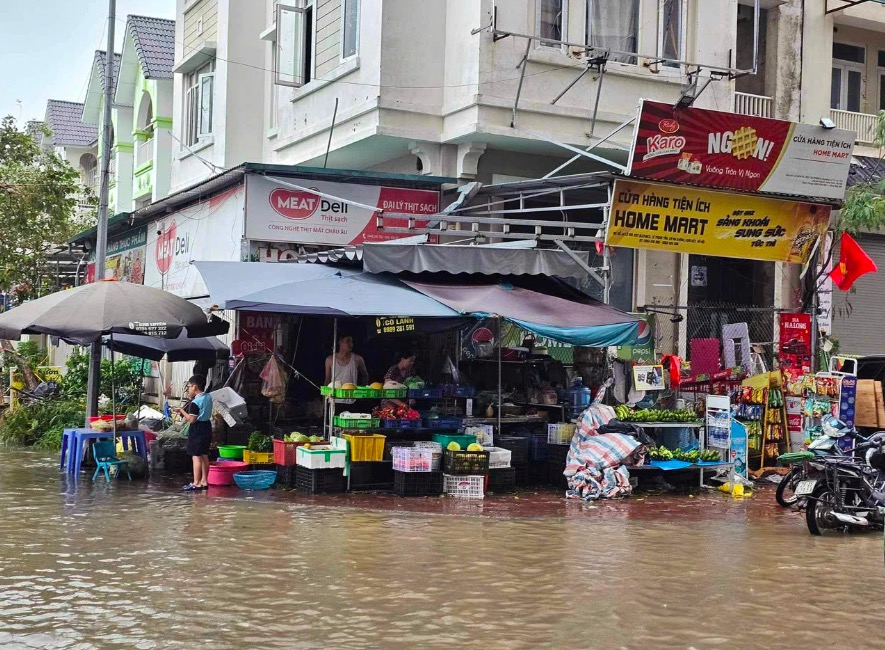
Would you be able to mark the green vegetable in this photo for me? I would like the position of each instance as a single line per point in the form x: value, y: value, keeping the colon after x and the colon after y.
x: 258, y: 442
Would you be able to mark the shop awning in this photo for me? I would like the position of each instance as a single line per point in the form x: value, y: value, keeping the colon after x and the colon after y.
x: 486, y: 260
x: 311, y: 289
x: 589, y: 323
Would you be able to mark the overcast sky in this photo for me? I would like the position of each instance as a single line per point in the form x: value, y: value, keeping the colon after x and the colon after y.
x: 47, y: 48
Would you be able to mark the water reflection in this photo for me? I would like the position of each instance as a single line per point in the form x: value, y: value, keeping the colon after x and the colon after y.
x: 141, y: 565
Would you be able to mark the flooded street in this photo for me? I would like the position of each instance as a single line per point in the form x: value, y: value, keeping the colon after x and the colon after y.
x: 141, y: 565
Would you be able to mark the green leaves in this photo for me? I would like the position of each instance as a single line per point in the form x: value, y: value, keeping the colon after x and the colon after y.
x: 37, y: 205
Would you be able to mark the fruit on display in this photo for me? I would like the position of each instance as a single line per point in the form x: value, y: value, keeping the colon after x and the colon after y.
x: 625, y: 414
x: 348, y: 386
x: 453, y: 446
x: 300, y: 437
x: 390, y: 385
x: 395, y: 413
x: 474, y: 447
x: 376, y: 385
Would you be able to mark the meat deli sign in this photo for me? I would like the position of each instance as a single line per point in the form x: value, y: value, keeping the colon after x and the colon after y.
x: 329, y: 213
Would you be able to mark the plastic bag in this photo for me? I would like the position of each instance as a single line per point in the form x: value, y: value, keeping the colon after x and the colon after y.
x: 274, y: 381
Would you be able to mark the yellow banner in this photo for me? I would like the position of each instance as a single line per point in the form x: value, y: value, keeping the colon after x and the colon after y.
x: 687, y: 220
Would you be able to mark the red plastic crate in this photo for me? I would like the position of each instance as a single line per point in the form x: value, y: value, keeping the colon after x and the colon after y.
x: 284, y: 452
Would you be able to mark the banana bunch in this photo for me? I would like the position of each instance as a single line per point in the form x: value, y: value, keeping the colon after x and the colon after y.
x: 624, y: 414
x: 660, y: 453
x: 693, y: 456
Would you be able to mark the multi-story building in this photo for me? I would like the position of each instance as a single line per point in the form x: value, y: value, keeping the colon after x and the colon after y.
x: 76, y: 143
x: 141, y: 115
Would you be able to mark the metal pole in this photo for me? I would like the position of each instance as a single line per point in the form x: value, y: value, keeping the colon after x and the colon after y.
x: 101, y: 243
x: 499, y: 374
x: 331, y: 131
x: 334, y: 363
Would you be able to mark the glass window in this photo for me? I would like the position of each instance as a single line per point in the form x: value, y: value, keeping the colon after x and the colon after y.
x: 670, y: 28
x: 854, y: 91
x: 551, y: 21
x: 350, y: 28
x: 198, y: 103
x: 845, y: 52
x: 294, y: 45
x: 614, y: 25
x: 836, y: 89
x: 882, y: 58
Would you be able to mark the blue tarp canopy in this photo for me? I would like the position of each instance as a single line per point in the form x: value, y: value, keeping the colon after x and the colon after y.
x: 588, y: 322
x: 315, y: 290
x: 310, y: 289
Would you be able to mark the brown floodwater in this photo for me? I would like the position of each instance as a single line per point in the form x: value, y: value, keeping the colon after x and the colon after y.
x: 142, y: 565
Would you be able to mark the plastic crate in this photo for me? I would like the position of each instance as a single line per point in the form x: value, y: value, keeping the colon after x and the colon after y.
x: 319, y: 481
x: 538, y: 447
x: 394, y: 393
x: 555, y: 476
x: 463, y: 463
x: 321, y: 456
x: 401, y: 424
x: 366, y: 393
x: 436, y: 448
x: 371, y: 476
x: 285, y: 475
x: 425, y: 393
x: 418, y: 484
x: 502, y: 480
x: 464, y: 487
x: 357, y: 423
x: 498, y: 457
x: 560, y: 433
x: 442, y: 423
x: 389, y: 445
x: 412, y: 459
x: 258, y: 457
x: 365, y: 448
x: 284, y: 452
x: 445, y: 438
x: 518, y: 446
x: 326, y: 391
x: 558, y: 454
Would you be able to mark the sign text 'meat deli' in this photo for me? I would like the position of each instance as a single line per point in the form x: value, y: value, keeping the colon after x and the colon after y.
x: 695, y: 146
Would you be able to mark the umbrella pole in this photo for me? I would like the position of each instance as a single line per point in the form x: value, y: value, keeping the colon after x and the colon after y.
x: 499, y: 375
x: 331, y: 408
x: 113, y: 393
x: 140, y: 391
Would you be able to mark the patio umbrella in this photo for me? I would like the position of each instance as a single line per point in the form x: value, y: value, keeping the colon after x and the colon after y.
x: 85, y: 314
x: 182, y: 348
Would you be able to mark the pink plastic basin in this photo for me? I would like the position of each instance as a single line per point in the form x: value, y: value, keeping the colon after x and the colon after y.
x: 223, y: 473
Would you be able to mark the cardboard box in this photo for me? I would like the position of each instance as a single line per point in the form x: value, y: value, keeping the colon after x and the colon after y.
x: 867, y: 409
x: 880, y: 405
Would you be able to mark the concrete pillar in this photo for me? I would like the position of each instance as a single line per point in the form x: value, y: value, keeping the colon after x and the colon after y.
x: 784, y: 59
x: 124, y: 151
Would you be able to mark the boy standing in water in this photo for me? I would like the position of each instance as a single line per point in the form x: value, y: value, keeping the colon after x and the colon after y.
x: 198, y: 414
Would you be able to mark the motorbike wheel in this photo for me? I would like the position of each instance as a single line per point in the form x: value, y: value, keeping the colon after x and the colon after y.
x: 784, y: 494
x: 817, y: 512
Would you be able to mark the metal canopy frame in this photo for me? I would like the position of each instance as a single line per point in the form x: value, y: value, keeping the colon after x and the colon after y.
x: 497, y: 209
x: 846, y: 4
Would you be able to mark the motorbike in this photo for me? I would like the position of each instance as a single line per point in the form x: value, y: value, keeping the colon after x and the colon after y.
x: 833, y: 430
x: 848, y: 492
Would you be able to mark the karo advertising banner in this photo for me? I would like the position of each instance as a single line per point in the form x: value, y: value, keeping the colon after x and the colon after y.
x: 688, y: 220
x: 695, y: 146
x: 280, y: 214
x: 125, y: 259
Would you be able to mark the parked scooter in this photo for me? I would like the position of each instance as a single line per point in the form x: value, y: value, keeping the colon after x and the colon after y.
x: 828, y: 444
x: 849, y: 492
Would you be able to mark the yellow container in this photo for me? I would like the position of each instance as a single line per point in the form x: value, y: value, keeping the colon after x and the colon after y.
x: 368, y: 447
x: 257, y: 457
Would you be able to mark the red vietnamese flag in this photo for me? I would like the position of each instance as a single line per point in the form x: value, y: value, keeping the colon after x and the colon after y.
x: 853, y: 263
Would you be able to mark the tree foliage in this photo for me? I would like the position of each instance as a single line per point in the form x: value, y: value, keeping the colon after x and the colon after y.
x: 864, y: 206
x: 37, y: 205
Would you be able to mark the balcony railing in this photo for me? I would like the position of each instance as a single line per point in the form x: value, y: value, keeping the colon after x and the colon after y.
x: 861, y: 123
x: 756, y: 105
x: 144, y: 153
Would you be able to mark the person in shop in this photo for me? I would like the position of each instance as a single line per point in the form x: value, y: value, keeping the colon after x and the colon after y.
x: 399, y: 372
x: 350, y: 368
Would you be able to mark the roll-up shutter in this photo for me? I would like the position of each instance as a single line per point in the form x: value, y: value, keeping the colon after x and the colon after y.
x: 859, y: 316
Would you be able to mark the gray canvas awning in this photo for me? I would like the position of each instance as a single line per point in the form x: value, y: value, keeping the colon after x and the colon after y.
x: 486, y: 260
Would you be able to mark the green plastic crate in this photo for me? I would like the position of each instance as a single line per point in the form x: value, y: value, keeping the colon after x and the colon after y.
x: 445, y: 438
x: 366, y: 393
x: 394, y: 393
x: 326, y: 391
x: 357, y: 423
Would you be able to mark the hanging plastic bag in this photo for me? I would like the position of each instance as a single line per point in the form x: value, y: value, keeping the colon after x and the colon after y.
x: 274, y: 381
